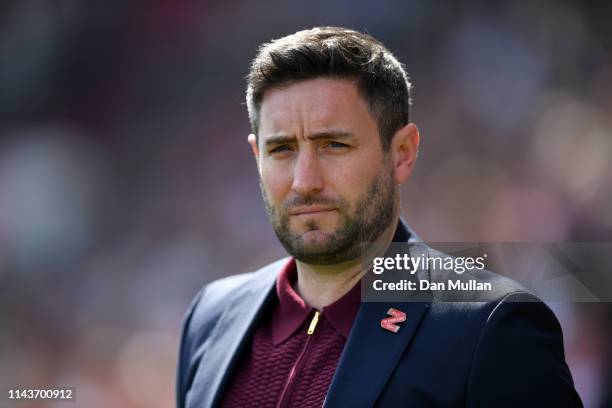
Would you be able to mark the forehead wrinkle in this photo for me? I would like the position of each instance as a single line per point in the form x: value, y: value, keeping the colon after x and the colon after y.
x: 310, y: 108
x: 334, y: 134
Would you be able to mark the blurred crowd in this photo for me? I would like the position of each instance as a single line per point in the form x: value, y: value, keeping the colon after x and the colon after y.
x: 126, y: 182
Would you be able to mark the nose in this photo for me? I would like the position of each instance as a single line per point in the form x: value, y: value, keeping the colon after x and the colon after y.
x: 307, y: 177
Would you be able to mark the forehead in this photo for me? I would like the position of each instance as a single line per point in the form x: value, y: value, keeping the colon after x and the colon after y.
x: 309, y: 105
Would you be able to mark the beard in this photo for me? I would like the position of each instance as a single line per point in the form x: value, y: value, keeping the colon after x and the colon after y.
x: 360, y: 224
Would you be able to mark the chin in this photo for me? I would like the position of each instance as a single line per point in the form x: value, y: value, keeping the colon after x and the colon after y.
x: 315, y: 241
x: 314, y: 225
x: 316, y: 237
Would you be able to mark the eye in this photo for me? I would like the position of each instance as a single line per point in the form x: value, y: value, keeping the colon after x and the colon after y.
x: 337, y: 145
x: 279, y: 149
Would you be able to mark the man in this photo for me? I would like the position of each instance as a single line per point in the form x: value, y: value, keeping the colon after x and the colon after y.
x: 333, y: 143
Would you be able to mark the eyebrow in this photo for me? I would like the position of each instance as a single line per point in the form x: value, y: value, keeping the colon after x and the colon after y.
x: 327, y: 135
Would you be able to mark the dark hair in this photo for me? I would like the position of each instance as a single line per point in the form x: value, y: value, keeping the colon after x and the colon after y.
x: 338, y: 53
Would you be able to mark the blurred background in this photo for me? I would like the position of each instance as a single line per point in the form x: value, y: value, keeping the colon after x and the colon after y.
x: 126, y: 182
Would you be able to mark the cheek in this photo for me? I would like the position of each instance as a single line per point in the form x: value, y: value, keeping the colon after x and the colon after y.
x: 349, y: 187
x: 352, y: 179
x: 277, y: 183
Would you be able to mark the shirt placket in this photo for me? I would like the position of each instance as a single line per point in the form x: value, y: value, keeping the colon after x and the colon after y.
x: 299, y: 363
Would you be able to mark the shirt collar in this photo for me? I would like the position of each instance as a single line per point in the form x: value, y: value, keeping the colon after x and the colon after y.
x: 292, y: 310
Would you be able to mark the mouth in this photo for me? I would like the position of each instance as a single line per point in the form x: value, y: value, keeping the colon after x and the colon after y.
x: 311, y: 210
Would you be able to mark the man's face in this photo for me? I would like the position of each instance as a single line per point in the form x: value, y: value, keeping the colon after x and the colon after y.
x: 326, y: 182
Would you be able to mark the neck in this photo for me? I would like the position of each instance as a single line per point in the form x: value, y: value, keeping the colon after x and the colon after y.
x: 322, y: 285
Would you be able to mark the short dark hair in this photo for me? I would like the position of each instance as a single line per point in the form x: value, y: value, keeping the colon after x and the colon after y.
x: 337, y: 53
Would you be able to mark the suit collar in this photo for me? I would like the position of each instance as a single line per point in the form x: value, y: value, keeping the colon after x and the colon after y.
x: 403, y: 233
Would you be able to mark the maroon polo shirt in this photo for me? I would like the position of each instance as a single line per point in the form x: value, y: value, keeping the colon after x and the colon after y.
x: 283, y: 365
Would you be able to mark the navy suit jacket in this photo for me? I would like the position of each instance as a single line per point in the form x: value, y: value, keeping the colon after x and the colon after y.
x: 505, y: 351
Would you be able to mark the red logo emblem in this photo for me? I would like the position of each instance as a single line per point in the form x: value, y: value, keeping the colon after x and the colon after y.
x: 389, y: 322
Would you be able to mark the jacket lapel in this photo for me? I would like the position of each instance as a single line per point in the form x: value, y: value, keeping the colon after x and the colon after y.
x: 232, y: 332
x: 371, y: 354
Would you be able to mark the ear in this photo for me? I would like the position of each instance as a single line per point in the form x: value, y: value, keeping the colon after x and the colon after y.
x: 404, y: 150
x: 252, y: 139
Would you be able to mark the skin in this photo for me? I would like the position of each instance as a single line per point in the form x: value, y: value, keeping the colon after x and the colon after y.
x: 318, y: 139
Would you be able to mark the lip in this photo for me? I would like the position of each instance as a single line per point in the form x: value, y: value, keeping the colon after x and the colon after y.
x: 312, y: 210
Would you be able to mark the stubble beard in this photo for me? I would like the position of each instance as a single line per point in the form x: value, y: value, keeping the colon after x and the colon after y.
x: 373, y: 214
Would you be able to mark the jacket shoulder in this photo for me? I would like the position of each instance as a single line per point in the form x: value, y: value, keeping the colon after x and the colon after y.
x: 500, y: 286
x: 210, y: 302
